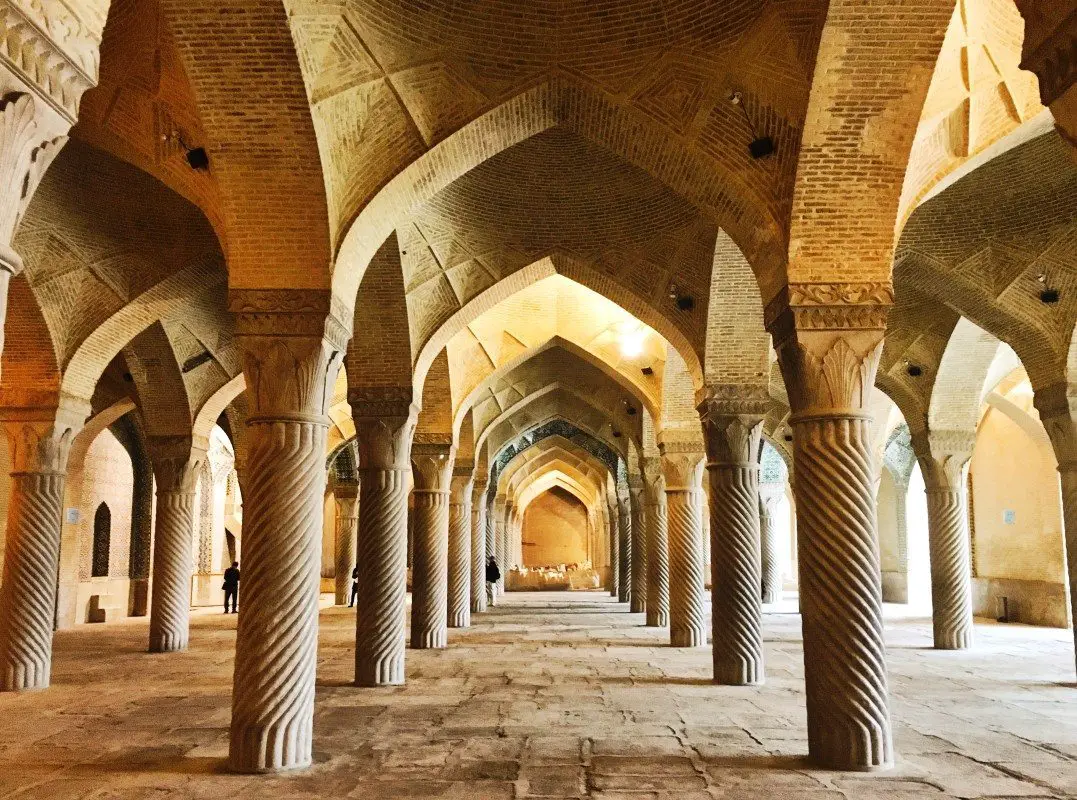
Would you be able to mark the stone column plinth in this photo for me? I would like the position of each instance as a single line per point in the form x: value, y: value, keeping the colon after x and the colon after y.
x: 682, y: 467
x: 638, y: 597
x: 942, y: 456
x: 176, y: 465
x: 654, y: 495
x: 290, y: 361
x: 38, y: 445
x: 770, y: 565
x: 459, y: 610
x: 478, y: 545
x: 347, y: 500
x: 732, y: 426
x: 624, y: 543
x: 828, y: 338
x: 433, y: 465
x: 384, y: 426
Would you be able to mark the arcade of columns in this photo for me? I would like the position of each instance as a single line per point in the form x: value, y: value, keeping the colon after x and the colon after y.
x: 825, y: 307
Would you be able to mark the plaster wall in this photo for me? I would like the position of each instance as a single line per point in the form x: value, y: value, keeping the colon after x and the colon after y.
x: 554, y: 530
x: 1018, y: 545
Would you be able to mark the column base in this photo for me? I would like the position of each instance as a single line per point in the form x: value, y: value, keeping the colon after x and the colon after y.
x: 657, y: 619
x: 460, y: 620
x: 168, y: 644
x: 687, y: 637
x: 277, y: 748
x: 961, y: 640
x: 637, y: 606
x: 386, y: 672
x: 21, y: 679
x: 430, y: 640
x: 739, y: 673
x: 771, y: 597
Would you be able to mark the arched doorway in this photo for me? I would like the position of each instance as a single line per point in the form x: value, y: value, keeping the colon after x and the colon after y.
x: 102, y: 539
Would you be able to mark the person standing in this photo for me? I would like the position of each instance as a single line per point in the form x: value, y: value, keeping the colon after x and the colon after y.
x: 355, y: 586
x: 231, y: 587
x: 493, y: 575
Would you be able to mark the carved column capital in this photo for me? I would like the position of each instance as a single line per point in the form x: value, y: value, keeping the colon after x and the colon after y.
x: 28, y: 144
x: 39, y: 439
x: 176, y: 463
x: 52, y: 51
x: 1050, y: 46
x: 460, y: 485
x: 732, y: 439
x: 654, y: 484
x: 345, y: 491
x: 942, y: 455
x: 478, y: 489
x: 293, y: 346
x: 1058, y: 412
x: 433, y: 464
x: 828, y: 337
x: 682, y: 466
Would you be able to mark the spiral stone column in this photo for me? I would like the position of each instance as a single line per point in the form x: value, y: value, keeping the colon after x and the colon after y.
x: 175, y: 466
x: 769, y: 497
x: 38, y: 443
x: 654, y: 516
x: 291, y: 355
x: 497, y: 523
x: 1058, y: 413
x: 459, y: 609
x: 942, y: 456
x: 682, y: 467
x: 347, y: 500
x: 828, y: 338
x: 384, y: 426
x: 639, y: 546
x: 433, y: 463
x: 478, y: 545
x: 615, y: 550
x: 624, y: 543
x: 732, y: 419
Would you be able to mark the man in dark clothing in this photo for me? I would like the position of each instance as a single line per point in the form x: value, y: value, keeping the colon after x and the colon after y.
x: 355, y: 586
x: 493, y: 575
x: 231, y: 586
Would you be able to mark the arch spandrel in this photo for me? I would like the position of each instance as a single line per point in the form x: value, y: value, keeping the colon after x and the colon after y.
x: 254, y: 106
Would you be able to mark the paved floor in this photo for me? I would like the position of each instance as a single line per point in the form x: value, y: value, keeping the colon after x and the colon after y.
x: 551, y: 695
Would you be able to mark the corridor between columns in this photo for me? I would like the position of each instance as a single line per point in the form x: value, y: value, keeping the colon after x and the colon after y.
x: 548, y: 694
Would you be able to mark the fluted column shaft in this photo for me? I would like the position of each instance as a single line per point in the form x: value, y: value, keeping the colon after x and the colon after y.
x: 684, y: 502
x: 38, y: 451
x: 459, y: 604
x: 657, y: 545
x: 768, y: 543
x: 382, y: 555
x: 639, y: 549
x: 176, y: 466
x: 624, y: 543
x: 736, y: 614
x: 290, y: 362
x: 615, y: 551
x: 500, y: 537
x: 429, y: 578
x: 347, y: 500
x: 828, y: 338
x: 942, y: 456
x: 478, y: 546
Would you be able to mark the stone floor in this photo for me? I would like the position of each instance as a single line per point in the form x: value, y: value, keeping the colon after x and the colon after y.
x: 551, y: 695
